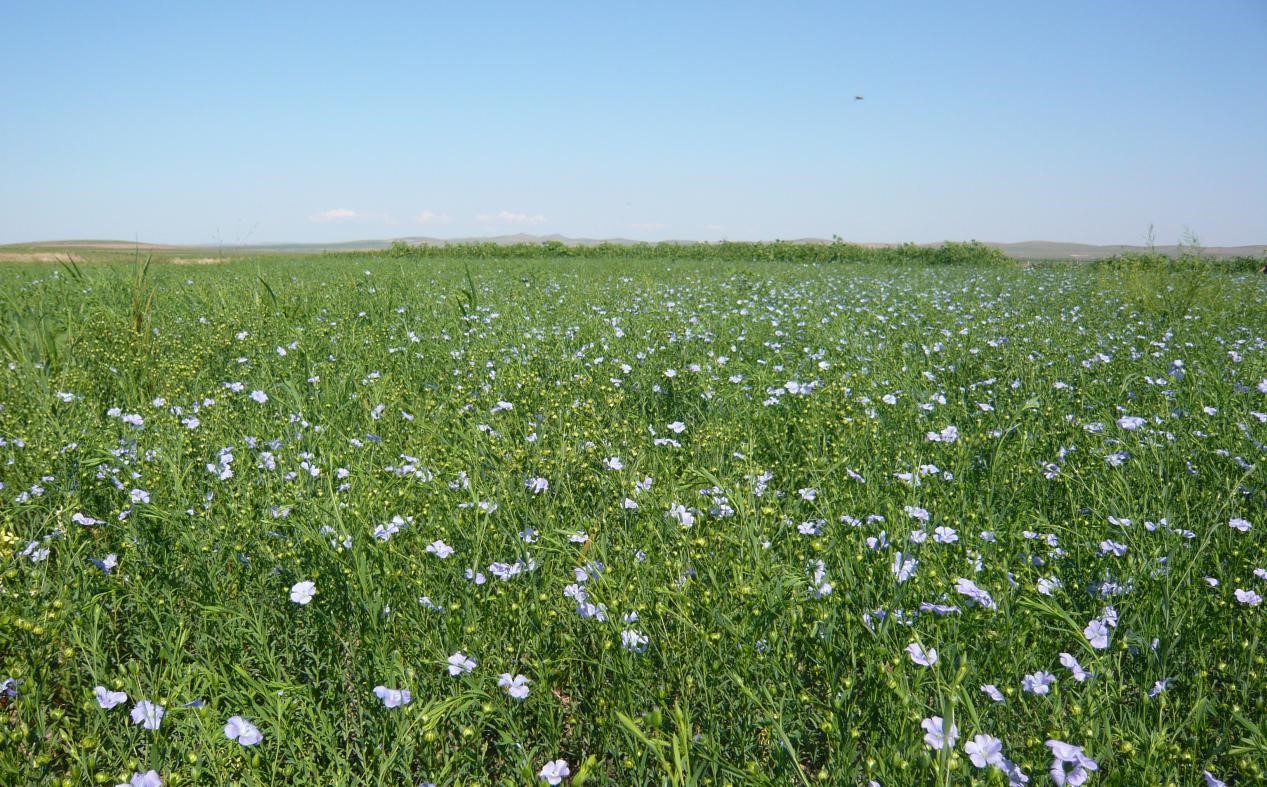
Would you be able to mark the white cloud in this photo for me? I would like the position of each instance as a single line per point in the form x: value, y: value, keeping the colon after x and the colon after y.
x: 334, y: 214
x: 431, y: 217
x: 507, y: 217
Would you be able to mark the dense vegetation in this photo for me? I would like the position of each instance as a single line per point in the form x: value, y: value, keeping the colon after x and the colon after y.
x: 725, y: 252
x: 738, y: 516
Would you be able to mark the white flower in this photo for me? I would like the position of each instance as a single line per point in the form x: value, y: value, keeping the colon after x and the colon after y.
x: 244, y: 732
x: 633, y: 640
x: 682, y: 514
x: 516, y: 686
x: 459, y: 663
x: 1237, y: 523
x: 302, y: 592
x: 555, y: 772
x: 1047, y: 585
x: 259, y: 396
x: 614, y: 463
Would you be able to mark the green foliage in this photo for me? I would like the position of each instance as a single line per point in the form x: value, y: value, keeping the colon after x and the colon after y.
x: 386, y: 377
x: 971, y: 253
x: 948, y: 253
x: 1171, y: 288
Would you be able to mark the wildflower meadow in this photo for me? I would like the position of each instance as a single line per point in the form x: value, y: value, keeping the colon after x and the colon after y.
x: 403, y: 520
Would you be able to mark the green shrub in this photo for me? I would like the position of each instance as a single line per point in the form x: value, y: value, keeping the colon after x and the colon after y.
x: 1169, y: 288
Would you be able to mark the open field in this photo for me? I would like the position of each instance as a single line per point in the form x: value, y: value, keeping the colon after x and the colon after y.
x: 103, y: 250
x: 363, y: 519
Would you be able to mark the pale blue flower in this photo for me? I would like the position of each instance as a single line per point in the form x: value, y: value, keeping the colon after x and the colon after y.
x: 936, y: 734
x: 966, y: 587
x: 984, y: 751
x: 555, y: 772
x: 148, y: 714
x: 1097, y: 633
x: 924, y: 658
x: 1070, y: 663
x: 108, y: 699
x: 904, y: 566
x: 537, y: 485
x: 1248, y: 597
x: 1070, y: 765
x: 460, y: 664
x: 439, y: 549
x: 1038, y: 682
x: 106, y: 564
x: 148, y: 779
x: 244, y: 732
x: 393, y: 698
x: 9, y: 687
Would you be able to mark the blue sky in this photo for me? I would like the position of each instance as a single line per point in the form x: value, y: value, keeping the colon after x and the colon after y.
x: 257, y: 122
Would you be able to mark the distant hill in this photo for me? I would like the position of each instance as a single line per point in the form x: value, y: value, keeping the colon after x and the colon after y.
x: 1025, y: 250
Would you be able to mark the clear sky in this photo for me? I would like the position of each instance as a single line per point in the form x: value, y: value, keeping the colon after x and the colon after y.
x: 258, y: 122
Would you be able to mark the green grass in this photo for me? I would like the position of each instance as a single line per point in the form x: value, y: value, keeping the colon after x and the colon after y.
x: 748, y: 676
